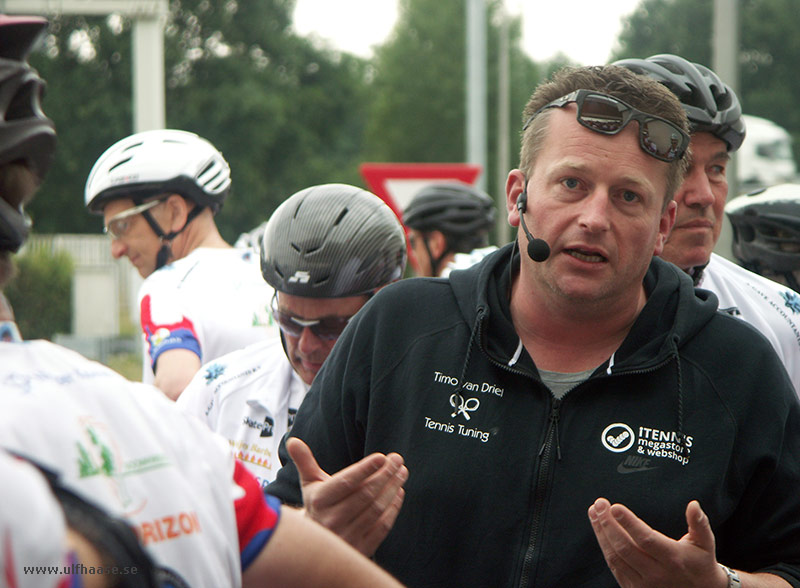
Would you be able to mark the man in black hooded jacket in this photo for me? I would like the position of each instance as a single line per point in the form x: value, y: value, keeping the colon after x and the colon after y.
x: 582, y: 376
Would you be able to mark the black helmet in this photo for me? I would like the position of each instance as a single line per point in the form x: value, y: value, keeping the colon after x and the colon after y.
x: 454, y: 209
x: 710, y: 104
x: 26, y: 134
x: 766, y: 230
x: 332, y: 241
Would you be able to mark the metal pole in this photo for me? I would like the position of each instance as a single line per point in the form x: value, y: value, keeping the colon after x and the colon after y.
x: 148, y: 74
x: 502, y: 229
x: 725, y: 56
x: 476, y: 86
x: 149, y: 17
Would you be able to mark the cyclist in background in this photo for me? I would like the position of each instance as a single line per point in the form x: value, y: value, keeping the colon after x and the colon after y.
x: 448, y: 224
x: 158, y: 192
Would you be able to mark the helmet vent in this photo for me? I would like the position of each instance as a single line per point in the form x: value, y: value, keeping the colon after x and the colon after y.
x: 119, y: 163
x: 340, y: 217
x: 133, y: 146
x: 21, y: 105
x: 207, y: 168
x: 215, y: 179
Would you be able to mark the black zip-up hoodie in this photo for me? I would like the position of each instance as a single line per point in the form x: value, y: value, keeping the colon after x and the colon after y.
x: 693, y: 405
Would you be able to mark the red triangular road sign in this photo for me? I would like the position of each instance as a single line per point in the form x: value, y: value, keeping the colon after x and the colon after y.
x: 397, y: 183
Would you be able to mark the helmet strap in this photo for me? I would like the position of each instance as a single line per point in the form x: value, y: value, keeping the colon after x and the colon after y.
x: 791, y: 281
x: 436, y: 262
x: 165, y: 253
x: 696, y: 273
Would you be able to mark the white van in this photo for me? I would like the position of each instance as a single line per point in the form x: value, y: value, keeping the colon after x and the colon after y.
x: 765, y: 157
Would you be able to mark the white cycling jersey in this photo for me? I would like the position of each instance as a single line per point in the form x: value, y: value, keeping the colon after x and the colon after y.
x: 250, y: 397
x: 128, y: 449
x: 770, y: 307
x: 210, y: 302
x: 33, y: 532
x: 465, y: 260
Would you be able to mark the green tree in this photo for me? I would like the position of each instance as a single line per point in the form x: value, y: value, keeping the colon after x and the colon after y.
x: 41, y: 293
x: 418, y: 108
x: 682, y: 27
x: 284, y: 113
x: 87, y: 69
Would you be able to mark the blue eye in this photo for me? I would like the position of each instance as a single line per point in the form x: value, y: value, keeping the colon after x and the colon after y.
x: 571, y: 183
x: 629, y: 196
x: 717, y: 170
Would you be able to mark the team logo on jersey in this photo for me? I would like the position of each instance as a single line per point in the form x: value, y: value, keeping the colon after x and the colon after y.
x: 300, y: 277
x: 792, y: 301
x: 267, y: 427
x: 99, y: 455
x: 214, y: 371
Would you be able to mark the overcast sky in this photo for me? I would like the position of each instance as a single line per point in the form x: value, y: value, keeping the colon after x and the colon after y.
x: 585, y: 30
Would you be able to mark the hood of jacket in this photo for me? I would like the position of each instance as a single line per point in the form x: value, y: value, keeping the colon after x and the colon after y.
x: 675, y: 311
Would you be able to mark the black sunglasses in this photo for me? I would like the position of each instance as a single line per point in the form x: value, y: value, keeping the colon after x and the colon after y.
x: 608, y: 115
x: 327, y: 328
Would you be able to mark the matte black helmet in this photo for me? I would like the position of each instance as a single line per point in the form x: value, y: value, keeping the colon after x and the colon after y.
x: 26, y: 134
x: 711, y: 105
x: 766, y: 229
x: 454, y: 209
x: 332, y: 241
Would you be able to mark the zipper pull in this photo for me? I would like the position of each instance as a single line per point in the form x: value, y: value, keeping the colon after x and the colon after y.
x: 553, y: 427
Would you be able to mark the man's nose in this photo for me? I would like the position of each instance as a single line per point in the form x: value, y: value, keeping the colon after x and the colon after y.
x: 696, y: 190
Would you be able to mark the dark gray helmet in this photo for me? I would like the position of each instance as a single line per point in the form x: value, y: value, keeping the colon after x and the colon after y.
x: 26, y: 134
x: 711, y: 105
x: 766, y: 230
x: 332, y: 241
x: 452, y: 208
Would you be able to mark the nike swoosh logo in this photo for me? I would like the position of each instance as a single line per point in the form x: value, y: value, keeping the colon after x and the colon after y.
x: 623, y: 469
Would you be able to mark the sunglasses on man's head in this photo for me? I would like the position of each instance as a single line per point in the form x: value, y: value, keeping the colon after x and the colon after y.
x: 119, y: 224
x: 327, y: 328
x: 608, y: 115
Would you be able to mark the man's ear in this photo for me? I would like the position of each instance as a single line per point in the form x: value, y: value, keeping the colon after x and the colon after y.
x: 515, y: 184
x: 177, y: 209
x: 665, y: 225
x: 437, y: 243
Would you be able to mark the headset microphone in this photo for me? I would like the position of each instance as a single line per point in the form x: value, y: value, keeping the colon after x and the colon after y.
x: 538, y: 249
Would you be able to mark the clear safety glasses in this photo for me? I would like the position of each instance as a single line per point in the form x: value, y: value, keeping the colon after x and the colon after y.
x: 119, y: 224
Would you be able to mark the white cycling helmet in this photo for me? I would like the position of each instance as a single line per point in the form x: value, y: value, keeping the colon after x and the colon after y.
x: 155, y: 162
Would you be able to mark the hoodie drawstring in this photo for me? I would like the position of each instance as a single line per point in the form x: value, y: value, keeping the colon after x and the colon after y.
x: 679, y: 375
x: 470, y: 345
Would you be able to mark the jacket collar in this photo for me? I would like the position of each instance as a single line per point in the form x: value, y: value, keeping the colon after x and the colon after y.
x: 673, y: 314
